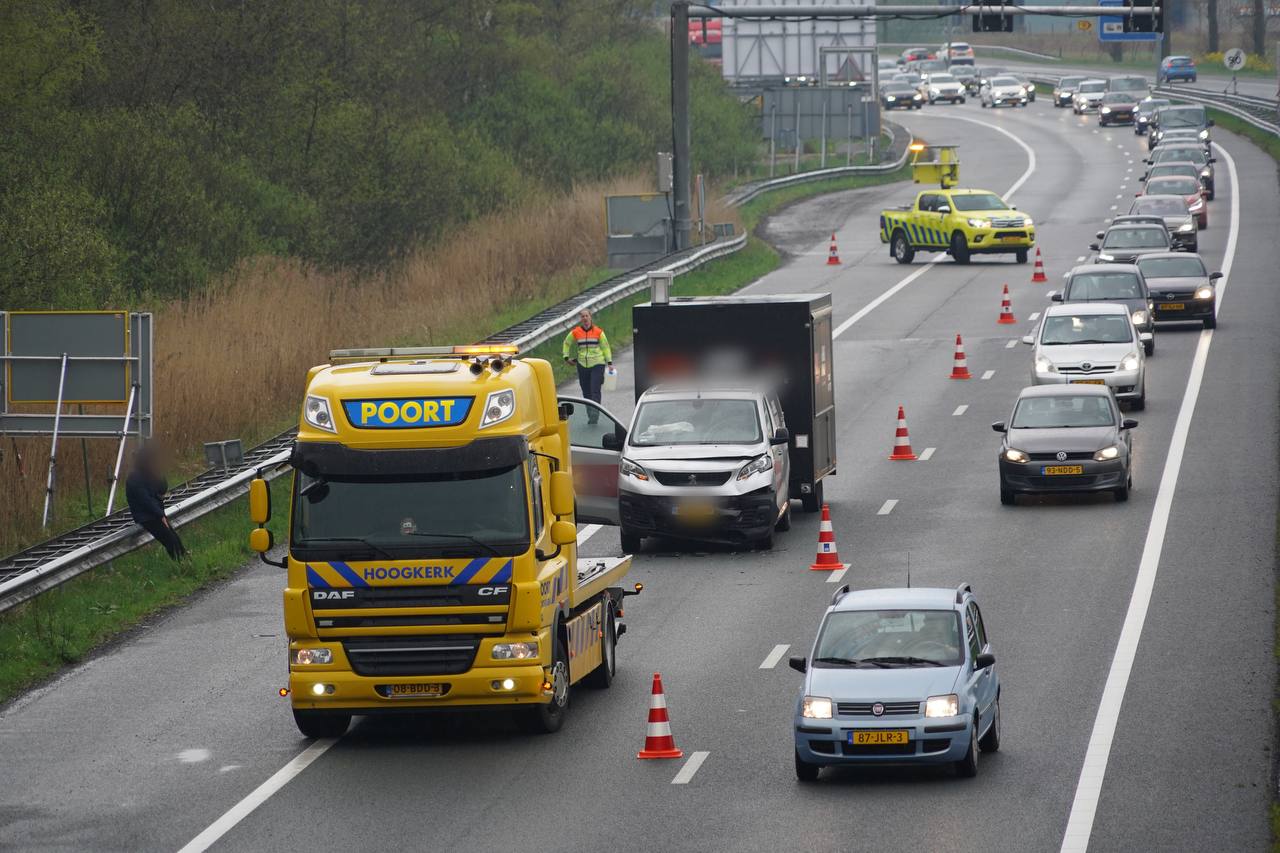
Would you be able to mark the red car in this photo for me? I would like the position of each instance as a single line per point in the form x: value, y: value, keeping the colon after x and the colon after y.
x: 1187, y: 187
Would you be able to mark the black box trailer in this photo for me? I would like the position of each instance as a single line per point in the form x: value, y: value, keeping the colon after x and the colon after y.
x: 783, y: 339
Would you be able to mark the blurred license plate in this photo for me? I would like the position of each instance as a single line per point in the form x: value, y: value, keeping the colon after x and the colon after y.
x: 1050, y: 470
x: 877, y: 738
x: 1173, y: 306
x: 403, y: 691
x: 1088, y: 382
x: 696, y: 512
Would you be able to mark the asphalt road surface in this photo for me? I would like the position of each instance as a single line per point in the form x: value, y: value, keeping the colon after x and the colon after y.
x: 1166, y: 603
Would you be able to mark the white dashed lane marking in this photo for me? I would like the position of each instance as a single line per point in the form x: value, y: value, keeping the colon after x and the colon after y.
x: 960, y: 410
x: 1035, y: 315
x: 690, y: 767
x: 834, y: 577
x: 1013, y: 343
x: 771, y: 659
x: 988, y: 374
x: 1080, y: 259
x: 927, y: 454
x: 887, y: 507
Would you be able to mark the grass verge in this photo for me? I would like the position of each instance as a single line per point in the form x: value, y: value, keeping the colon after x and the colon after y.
x: 65, y: 625
x: 1260, y: 138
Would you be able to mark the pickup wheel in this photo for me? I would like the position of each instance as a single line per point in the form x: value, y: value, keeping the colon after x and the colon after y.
x: 1020, y: 256
x: 959, y: 248
x: 602, y: 676
x: 317, y: 724
x: 548, y: 718
x: 901, y: 249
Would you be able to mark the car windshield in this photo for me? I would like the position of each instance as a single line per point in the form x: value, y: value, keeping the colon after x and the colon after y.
x: 1189, y: 153
x: 1135, y: 238
x: 890, y: 638
x: 1069, y: 411
x: 1182, y: 117
x: 1173, y: 185
x: 978, y: 201
x: 1148, y: 105
x: 1061, y: 329
x: 1070, y: 82
x: 1117, y: 98
x: 1191, y: 170
x: 941, y: 78
x: 1004, y: 81
x: 1128, y: 84
x: 697, y: 420
x: 909, y: 79
x: 1189, y: 266
x: 1160, y: 206
x: 460, y: 513
x: 1095, y: 286
x: 1093, y: 86
x: 1179, y: 60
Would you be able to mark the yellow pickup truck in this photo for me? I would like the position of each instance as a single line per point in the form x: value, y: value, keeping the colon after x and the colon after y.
x: 960, y: 222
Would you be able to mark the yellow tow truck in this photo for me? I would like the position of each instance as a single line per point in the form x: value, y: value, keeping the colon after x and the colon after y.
x: 961, y: 222
x: 432, y: 551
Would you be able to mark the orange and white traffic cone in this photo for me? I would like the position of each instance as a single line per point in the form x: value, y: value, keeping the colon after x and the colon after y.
x: 1037, y: 275
x: 901, y: 440
x: 828, y: 558
x: 1006, y: 308
x: 833, y: 257
x: 960, y: 366
x: 658, y: 742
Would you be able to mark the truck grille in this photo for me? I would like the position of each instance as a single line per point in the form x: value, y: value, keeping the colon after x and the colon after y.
x: 447, y: 654
x: 692, y: 478
x: 891, y: 709
x: 480, y: 621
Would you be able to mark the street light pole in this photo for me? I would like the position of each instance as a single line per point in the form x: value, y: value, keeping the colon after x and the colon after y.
x: 680, y: 142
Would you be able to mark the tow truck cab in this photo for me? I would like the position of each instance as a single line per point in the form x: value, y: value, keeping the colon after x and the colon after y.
x: 432, y: 552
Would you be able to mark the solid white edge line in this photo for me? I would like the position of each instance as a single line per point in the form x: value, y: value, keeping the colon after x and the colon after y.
x: 835, y: 577
x: 960, y: 410
x: 257, y: 797
x: 927, y: 454
x: 879, y: 300
x: 771, y: 659
x: 887, y: 506
x: 690, y: 767
x: 1084, y: 806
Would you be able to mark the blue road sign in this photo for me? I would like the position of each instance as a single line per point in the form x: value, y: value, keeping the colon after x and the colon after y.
x: 1111, y: 27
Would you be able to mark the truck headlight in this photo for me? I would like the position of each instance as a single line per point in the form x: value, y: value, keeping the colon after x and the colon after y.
x: 1139, y: 317
x: 1204, y: 293
x: 630, y: 469
x: 308, y: 657
x: 1129, y: 362
x: 498, y: 407
x: 979, y: 223
x: 515, y: 651
x: 1044, y: 365
x: 942, y: 706
x: 1031, y: 87
x: 1106, y: 453
x: 756, y: 466
x: 1018, y: 456
x: 316, y: 412
x: 815, y: 708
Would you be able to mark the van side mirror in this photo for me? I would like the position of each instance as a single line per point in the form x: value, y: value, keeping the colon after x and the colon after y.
x: 561, y: 493
x: 259, y: 501
x: 1128, y: 423
x: 798, y: 663
x: 984, y: 660
x: 780, y: 436
x: 999, y: 426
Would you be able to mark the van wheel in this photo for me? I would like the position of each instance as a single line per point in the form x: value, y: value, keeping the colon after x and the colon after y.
x: 959, y: 248
x: 805, y: 771
x: 318, y: 724
x: 901, y: 249
x: 602, y: 676
x: 812, y: 502
x: 548, y: 718
x: 629, y: 540
x: 784, y: 523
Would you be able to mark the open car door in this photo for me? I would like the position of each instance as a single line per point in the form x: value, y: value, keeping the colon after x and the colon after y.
x: 595, y: 445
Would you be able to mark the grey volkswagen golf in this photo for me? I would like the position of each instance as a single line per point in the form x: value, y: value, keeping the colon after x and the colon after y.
x: 1065, y: 438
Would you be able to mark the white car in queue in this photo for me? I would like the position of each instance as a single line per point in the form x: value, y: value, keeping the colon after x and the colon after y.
x: 705, y: 464
x: 1091, y: 343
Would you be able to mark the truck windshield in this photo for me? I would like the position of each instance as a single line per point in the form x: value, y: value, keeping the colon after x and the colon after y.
x: 456, y: 514
x: 890, y: 638
x: 696, y: 421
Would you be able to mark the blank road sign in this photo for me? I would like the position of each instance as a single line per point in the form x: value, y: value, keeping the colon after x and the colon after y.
x: 79, y: 335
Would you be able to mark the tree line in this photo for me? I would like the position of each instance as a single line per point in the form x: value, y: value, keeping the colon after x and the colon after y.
x: 147, y: 146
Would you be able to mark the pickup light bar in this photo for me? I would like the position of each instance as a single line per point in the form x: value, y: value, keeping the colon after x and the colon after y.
x: 413, y: 352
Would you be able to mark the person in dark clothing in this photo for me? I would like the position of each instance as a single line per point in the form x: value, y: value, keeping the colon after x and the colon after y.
x: 144, y: 491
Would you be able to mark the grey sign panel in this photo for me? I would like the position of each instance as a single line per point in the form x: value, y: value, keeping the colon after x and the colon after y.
x: 36, y: 342
x: 836, y: 112
x: 88, y: 426
x: 639, y: 229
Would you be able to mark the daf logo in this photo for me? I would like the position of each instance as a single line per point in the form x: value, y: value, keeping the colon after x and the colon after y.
x: 878, y: 709
x: 1086, y: 365
x: 332, y: 595
x: 1062, y: 455
x: 492, y: 590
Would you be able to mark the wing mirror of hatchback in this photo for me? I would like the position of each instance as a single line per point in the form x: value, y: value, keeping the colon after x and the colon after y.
x: 1214, y: 276
x: 1094, y: 247
x: 1055, y: 296
x: 1128, y: 423
x: 798, y: 663
x: 1028, y: 339
x: 999, y: 426
x: 984, y: 660
x: 1099, y: 235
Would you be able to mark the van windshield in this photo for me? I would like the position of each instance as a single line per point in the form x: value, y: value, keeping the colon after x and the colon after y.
x: 1087, y: 329
x: 698, y: 420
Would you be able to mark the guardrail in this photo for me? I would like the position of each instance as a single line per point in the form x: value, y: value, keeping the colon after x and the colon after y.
x: 1017, y: 51
x: 44, y: 566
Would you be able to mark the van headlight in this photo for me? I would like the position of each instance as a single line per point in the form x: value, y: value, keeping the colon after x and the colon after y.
x: 756, y: 466
x: 1012, y: 455
x: 1139, y: 317
x: 515, y: 651
x: 1129, y: 362
x: 630, y: 469
x: 1044, y: 365
x: 498, y: 407
x: 815, y: 708
x: 942, y: 706
x: 316, y: 412
x: 1204, y: 293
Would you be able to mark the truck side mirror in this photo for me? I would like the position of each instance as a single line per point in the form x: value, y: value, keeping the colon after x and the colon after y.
x: 561, y: 493
x: 780, y: 436
x: 1146, y: 337
x: 259, y: 502
x: 563, y: 533
x: 261, y: 540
